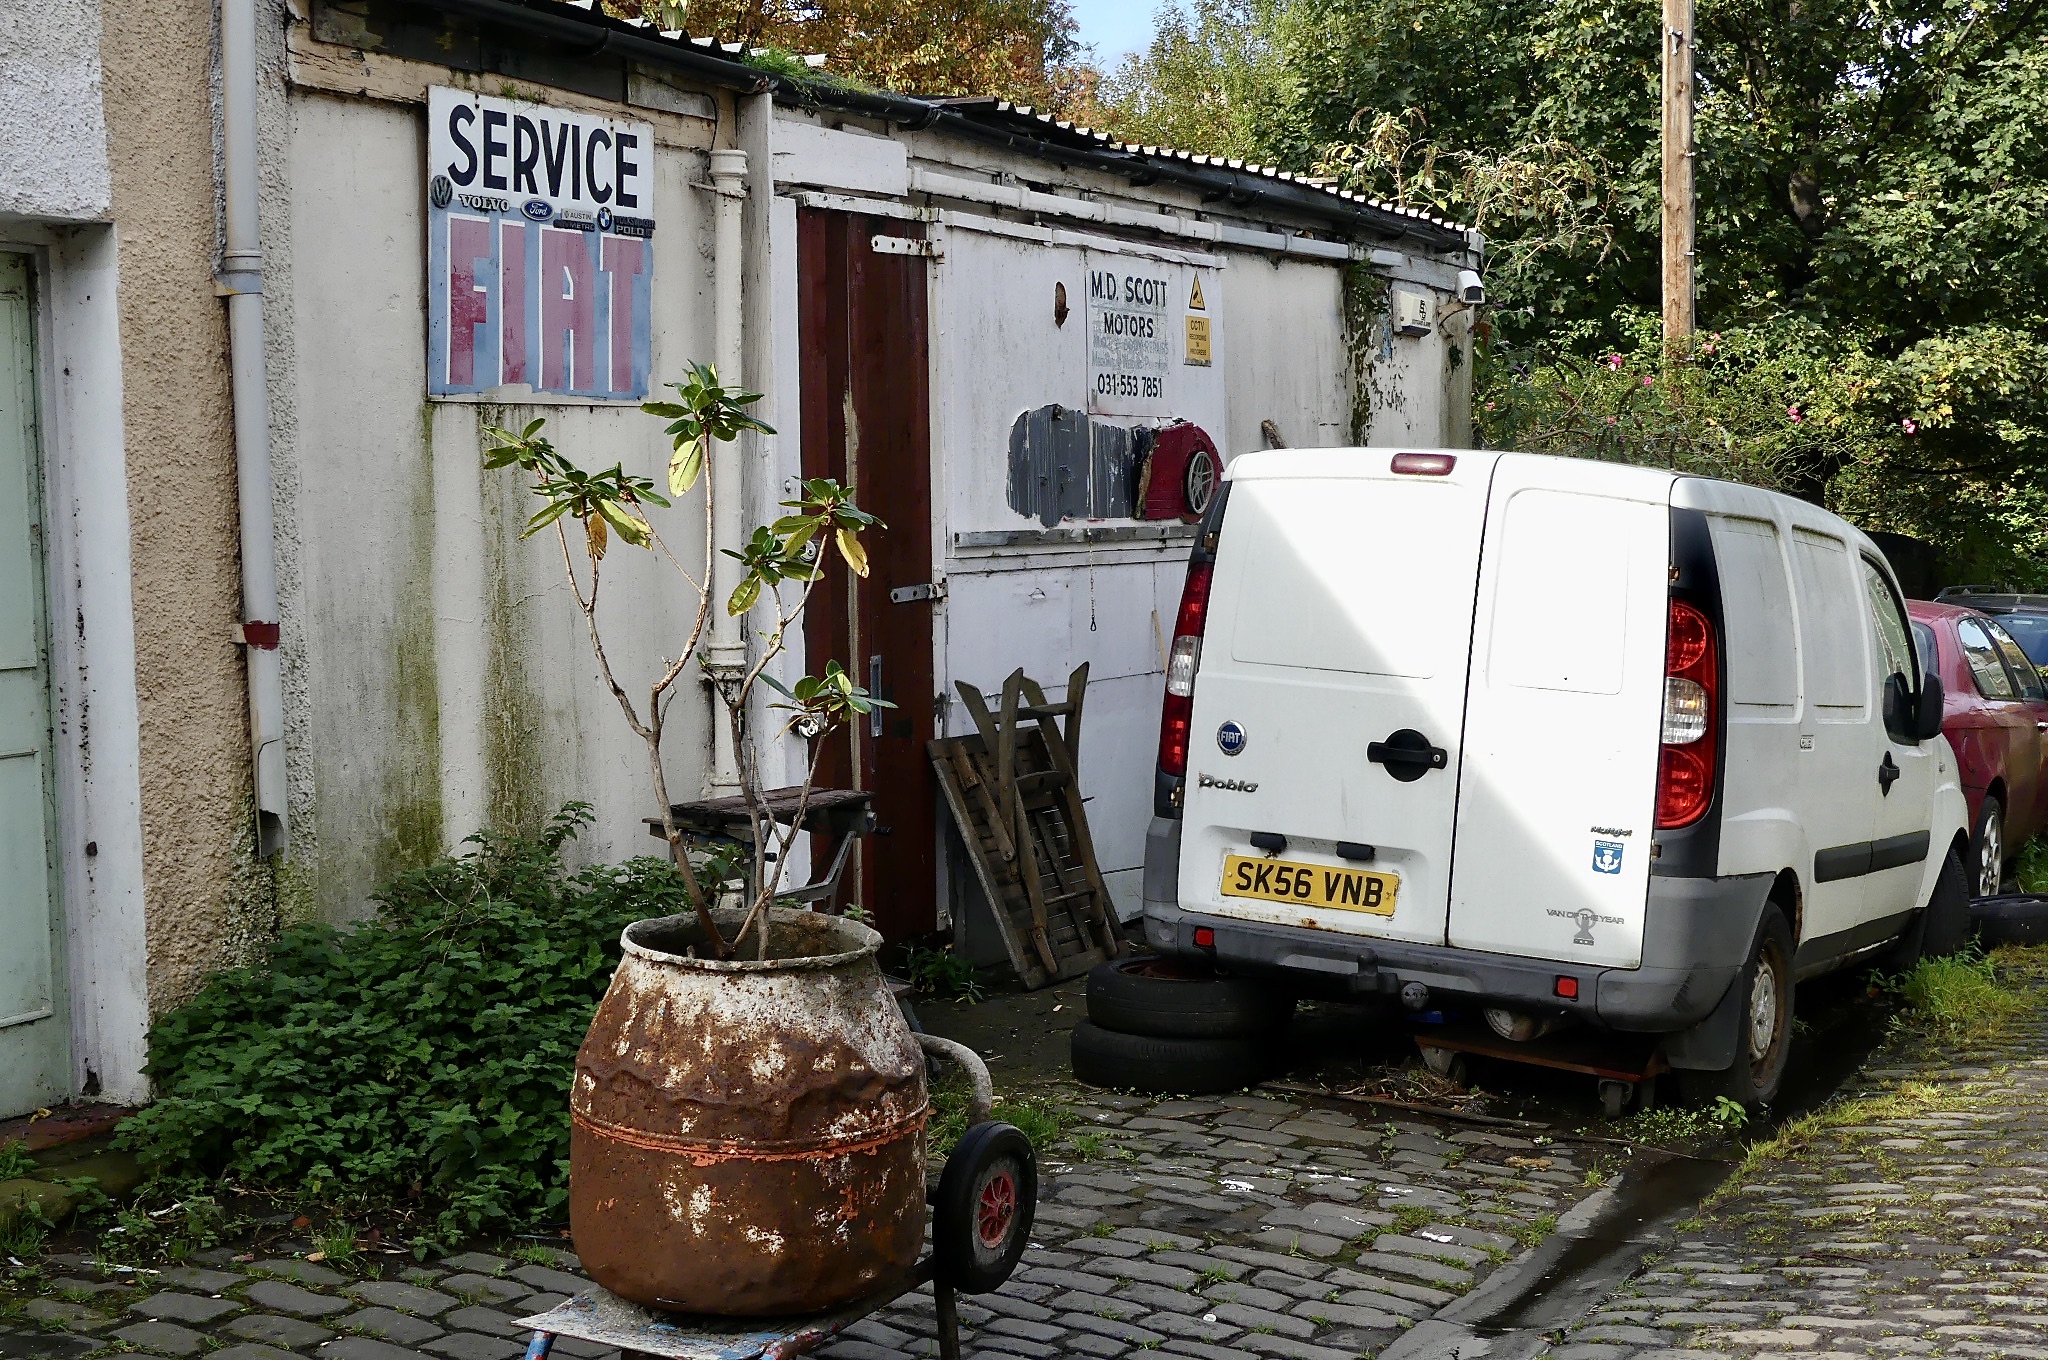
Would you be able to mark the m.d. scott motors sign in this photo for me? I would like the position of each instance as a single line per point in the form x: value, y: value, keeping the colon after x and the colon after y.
x: 540, y: 266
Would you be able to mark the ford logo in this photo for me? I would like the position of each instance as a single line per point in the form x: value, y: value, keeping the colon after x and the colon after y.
x: 1230, y: 739
x: 537, y: 209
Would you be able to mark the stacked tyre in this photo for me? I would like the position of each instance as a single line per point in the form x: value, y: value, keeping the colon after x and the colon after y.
x: 1177, y: 1027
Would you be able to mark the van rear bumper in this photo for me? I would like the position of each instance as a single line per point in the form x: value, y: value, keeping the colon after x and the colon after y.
x: 1696, y: 939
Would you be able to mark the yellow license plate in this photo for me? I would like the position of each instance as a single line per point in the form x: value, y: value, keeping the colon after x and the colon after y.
x: 1309, y: 885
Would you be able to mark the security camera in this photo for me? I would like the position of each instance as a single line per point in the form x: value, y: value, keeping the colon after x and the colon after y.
x: 1471, y: 289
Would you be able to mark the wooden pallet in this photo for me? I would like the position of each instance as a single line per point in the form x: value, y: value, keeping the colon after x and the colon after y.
x: 1014, y: 788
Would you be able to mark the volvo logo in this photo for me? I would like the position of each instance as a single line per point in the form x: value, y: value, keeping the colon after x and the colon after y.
x: 537, y: 209
x: 1230, y: 739
x: 1228, y: 785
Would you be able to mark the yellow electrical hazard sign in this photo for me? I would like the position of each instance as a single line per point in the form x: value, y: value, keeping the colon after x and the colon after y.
x: 1198, y: 340
x: 1195, y: 303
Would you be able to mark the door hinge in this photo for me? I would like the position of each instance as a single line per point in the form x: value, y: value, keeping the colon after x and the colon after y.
x: 905, y: 245
x: 930, y: 590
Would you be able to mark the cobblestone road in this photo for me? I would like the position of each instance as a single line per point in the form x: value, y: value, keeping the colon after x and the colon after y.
x: 1243, y: 1226
x: 1917, y: 1226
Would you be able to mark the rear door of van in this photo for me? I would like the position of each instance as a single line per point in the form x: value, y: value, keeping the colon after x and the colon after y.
x: 1557, y: 790
x: 1339, y: 631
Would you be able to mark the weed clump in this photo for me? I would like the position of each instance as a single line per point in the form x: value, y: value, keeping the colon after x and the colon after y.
x: 1960, y: 997
x: 420, y: 1061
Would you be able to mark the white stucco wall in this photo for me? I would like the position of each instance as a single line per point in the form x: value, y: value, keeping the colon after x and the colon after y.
x: 53, y: 132
x: 448, y: 682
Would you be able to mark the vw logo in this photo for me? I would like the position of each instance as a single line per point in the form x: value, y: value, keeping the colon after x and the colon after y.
x: 440, y: 192
x: 1230, y: 739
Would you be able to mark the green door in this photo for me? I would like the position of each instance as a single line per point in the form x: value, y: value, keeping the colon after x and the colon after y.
x: 34, y: 1028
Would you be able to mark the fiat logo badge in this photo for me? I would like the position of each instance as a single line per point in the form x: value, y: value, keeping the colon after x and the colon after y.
x: 1230, y: 739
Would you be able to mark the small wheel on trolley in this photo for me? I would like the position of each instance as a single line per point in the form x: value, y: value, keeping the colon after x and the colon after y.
x: 982, y: 1211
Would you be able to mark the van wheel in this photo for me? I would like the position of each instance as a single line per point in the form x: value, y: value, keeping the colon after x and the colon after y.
x: 1764, y: 1037
x: 1178, y: 1067
x: 1987, y: 850
x: 1183, y: 999
x: 1945, y: 927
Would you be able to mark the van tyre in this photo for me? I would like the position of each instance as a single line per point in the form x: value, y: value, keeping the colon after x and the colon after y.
x: 1181, y: 1067
x: 1987, y: 850
x: 1182, y: 999
x: 1763, y: 1011
x: 1945, y: 927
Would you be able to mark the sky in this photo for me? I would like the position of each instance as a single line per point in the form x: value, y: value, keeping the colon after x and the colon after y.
x: 1115, y: 27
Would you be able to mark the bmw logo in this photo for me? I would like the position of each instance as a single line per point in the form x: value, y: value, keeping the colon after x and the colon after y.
x: 604, y: 219
x: 1230, y: 739
x: 440, y: 192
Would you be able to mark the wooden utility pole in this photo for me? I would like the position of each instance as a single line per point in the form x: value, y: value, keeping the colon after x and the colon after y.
x: 1678, y: 197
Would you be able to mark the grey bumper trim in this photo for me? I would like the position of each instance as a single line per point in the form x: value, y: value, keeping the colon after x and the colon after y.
x: 1696, y: 939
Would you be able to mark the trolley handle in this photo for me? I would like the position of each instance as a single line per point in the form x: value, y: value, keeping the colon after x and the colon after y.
x: 982, y: 1102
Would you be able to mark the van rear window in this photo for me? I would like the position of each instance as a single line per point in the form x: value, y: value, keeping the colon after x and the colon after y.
x: 1361, y: 575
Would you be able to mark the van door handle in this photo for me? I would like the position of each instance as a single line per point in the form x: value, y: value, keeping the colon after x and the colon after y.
x: 1407, y: 754
x: 1887, y: 774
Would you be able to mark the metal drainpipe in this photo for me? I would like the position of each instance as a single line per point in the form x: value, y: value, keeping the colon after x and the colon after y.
x: 241, y: 281
x: 727, y: 654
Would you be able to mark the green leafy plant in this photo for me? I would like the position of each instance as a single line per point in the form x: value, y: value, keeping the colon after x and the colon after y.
x: 781, y: 564
x: 15, y: 1162
x: 420, y: 1061
x: 942, y: 973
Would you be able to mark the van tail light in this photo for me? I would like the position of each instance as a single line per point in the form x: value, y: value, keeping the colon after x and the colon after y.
x: 1176, y: 713
x: 1692, y: 680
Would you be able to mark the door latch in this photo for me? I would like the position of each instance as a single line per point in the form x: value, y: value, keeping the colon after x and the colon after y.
x: 1407, y: 754
x: 929, y: 590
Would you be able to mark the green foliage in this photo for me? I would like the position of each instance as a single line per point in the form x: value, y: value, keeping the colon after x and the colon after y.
x: 15, y: 1161
x: 1959, y: 997
x: 593, y: 499
x: 1872, y: 226
x: 785, y: 551
x: 421, y: 1060
x: 1687, y: 1123
x: 941, y: 973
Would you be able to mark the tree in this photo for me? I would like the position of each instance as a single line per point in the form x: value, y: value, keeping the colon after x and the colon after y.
x: 1023, y: 50
x: 1873, y: 230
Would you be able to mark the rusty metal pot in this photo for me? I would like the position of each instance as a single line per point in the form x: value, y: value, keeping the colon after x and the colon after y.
x: 747, y: 1138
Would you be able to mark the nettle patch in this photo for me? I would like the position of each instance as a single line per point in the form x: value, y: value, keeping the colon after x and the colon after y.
x: 420, y: 1062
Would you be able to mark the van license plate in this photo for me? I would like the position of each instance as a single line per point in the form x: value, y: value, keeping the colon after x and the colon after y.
x: 1309, y: 885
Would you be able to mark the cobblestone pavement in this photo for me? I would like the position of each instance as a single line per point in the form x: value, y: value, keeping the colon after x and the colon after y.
x: 1912, y: 1221
x: 1243, y: 1226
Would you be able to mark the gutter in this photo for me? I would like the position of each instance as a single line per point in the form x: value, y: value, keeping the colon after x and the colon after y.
x: 564, y: 23
x: 241, y: 281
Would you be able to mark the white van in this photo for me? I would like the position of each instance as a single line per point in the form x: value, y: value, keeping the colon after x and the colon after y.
x: 1561, y: 738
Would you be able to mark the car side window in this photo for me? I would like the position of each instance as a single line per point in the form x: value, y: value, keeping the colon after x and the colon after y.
x: 2023, y: 672
x: 1985, y: 667
x: 1894, y: 650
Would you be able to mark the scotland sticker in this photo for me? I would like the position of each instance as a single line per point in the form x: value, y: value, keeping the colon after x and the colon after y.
x: 1230, y: 739
x: 1607, y: 857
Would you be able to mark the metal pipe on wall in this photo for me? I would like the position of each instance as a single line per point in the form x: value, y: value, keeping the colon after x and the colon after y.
x: 241, y: 280
x: 727, y: 654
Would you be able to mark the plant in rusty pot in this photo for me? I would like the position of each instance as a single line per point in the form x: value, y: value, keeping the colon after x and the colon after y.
x: 749, y: 1103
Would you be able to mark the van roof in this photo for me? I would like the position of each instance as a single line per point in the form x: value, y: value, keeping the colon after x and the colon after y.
x: 1685, y: 489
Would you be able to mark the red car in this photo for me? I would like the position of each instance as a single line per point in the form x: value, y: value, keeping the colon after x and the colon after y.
x: 1995, y: 715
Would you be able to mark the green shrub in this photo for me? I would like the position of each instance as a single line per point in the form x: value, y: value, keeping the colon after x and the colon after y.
x: 421, y: 1061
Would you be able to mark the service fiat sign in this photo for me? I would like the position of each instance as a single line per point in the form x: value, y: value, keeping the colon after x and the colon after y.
x: 540, y: 258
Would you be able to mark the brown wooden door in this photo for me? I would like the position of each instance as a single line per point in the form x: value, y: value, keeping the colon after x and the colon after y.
x: 866, y: 422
